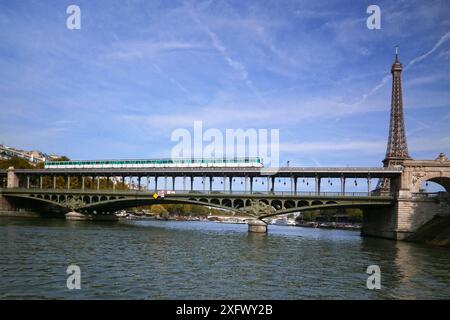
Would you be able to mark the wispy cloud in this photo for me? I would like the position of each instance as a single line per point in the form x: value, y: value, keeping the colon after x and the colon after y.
x: 129, y: 50
x: 437, y: 45
x: 373, y: 147
x: 417, y: 59
x: 237, y: 66
x: 134, y: 72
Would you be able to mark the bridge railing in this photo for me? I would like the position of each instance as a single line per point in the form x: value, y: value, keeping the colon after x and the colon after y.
x: 284, y: 193
x: 430, y: 195
x: 203, y: 192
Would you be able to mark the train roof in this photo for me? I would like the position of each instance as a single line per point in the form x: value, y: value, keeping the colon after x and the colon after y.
x: 237, y: 159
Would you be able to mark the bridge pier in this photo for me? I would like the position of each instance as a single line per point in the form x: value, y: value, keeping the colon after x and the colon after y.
x: 412, y: 208
x: 402, y: 220
x: 257, y: 226
x: 342, y: 185
x: 12, y: 178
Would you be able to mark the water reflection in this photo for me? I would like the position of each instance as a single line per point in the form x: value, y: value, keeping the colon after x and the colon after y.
x: 196, y: 260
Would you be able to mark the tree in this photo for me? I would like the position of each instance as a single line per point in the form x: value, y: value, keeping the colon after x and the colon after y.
x: 17, y: 163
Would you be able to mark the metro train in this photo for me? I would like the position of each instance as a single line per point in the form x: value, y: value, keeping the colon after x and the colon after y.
x: 158, y: 163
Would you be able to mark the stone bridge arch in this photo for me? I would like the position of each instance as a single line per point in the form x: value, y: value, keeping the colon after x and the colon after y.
x: 418, y: 172
x: 443, y: 181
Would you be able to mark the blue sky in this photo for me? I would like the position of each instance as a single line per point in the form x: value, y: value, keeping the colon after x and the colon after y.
x: 137, y: 70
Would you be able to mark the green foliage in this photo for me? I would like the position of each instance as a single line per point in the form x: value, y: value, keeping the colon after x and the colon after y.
x: 17, y: 163
x: 310, y: 215
x: 354, y: 213
x: 180, y: 210
x: 158, y: 209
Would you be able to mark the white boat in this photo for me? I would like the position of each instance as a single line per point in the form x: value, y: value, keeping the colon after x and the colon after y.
x: 283, y: 222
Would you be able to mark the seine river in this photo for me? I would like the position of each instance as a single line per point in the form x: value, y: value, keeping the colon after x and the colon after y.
x: 207, y: 260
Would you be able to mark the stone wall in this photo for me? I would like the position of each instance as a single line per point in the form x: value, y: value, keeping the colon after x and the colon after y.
x: 414, y: 213
x: 4, y: 203
x: 403, y: 219
x: 380, y: 222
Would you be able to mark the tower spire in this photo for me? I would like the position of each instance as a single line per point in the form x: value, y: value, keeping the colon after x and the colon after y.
x: 397, y: 149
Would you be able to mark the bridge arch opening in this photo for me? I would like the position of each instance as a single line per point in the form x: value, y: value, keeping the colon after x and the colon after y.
x: 316, y: 203
x: 277, y: 204
x: 238, y: 203
x: 438, y: 184
x: 289, y: 204
x: 226, y: 202
x: 303, y: 203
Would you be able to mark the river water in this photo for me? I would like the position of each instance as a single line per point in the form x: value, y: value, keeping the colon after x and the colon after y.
x: 206, y: 260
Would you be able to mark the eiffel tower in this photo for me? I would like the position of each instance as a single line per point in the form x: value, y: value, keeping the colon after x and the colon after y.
x: 397, y: 148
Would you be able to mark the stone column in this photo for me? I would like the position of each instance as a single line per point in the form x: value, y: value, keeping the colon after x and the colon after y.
x: 295, y: 185
x: 317, y: 184
x: 68, y: 182
x: 257, y: 226
x: 28, y: 182
x: 40, y: 182
x: 342, y: 185
x: 251, y: 185
x: 210, y: 184
x: 192, y: 183
x: 12, y: 179
x: 54, y: 182
x: 82, y: 183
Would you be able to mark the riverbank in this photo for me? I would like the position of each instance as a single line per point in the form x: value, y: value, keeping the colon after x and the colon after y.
x: 19, y: 214
x: 330, y: 225
x: 434, y: 232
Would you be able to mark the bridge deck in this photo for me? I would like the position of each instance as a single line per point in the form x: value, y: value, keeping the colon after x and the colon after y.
x: 198, y: 193
x: 307, y: 172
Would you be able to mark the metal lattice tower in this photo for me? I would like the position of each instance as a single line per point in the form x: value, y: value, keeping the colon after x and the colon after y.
x: 397, y: 148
